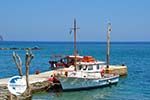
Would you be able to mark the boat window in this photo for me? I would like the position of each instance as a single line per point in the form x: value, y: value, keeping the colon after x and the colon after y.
x: 84, y: 67
x: 63, y: 60
x: 80, y: 67
x: 90, y: 67
x: 97, y: 66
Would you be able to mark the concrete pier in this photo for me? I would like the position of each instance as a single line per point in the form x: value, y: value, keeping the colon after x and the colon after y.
x: 117, y: 69
x: 32, y: 78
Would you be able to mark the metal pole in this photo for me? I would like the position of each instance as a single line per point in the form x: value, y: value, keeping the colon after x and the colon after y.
x: 108, y: 45
x: 75, y: 48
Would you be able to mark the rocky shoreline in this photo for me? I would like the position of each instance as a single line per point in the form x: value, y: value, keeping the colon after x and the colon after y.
x: 35, y: 87
x: 4, y: 93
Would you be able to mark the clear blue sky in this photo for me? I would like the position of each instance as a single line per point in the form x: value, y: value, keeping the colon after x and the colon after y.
x: 50, y: 20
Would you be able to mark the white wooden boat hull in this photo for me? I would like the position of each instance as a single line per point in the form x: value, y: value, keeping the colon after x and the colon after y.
x: 71, y: 83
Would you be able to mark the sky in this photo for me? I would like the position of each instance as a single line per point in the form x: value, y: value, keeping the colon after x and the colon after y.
x: 50, y: 20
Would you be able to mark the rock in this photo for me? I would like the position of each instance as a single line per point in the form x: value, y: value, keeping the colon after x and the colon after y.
x: 40, y: 86
x: 35, y: 87
x: 4, y: 93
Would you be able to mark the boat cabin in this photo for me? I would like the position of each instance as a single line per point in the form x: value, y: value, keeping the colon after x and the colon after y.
x: 88, y: 70
x: 90, y: 66
x: 67, y: 61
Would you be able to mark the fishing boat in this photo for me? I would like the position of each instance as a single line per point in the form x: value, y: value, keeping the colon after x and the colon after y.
x: 76, y: 72
x: 86, y: 75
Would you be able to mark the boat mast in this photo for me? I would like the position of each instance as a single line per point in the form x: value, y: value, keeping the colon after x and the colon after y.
x: 108, y: 45
x: 75, y: 42
x: 75, y: 31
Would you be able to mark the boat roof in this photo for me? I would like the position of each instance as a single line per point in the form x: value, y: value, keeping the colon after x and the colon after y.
x: 91, y: 63
x: 72, y: 56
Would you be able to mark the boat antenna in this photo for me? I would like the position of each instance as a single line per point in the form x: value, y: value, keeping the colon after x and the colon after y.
x: 75, y: 41
x: 108, y: 45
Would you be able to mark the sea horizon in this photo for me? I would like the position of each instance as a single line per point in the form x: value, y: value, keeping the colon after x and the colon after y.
x: 80, y: 41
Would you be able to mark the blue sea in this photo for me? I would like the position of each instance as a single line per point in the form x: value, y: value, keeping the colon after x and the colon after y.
x: 136, y: 55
